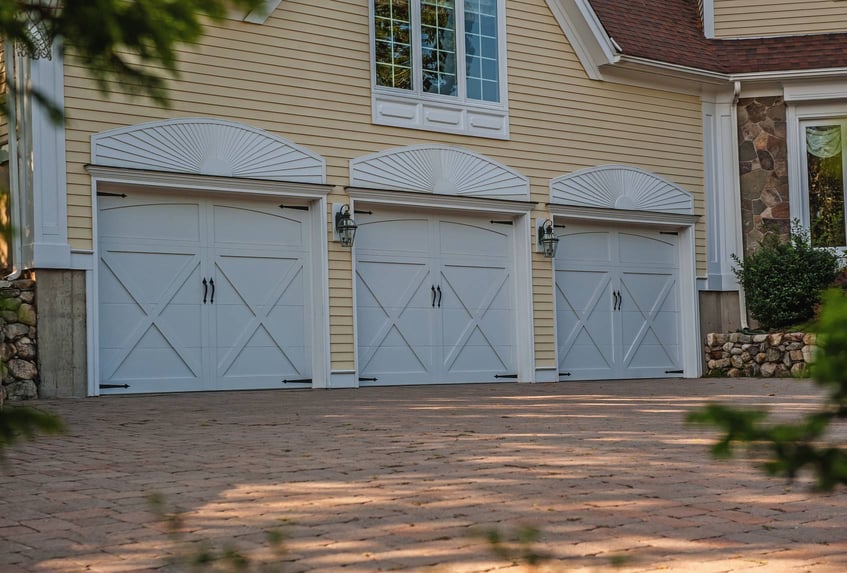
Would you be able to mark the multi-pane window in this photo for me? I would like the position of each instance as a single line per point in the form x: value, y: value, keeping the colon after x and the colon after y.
x: 444, y: 47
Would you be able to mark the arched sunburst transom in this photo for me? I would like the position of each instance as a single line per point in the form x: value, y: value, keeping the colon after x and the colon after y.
x: 621, y: 187
x: 438, y: 169
x: 205, y: 146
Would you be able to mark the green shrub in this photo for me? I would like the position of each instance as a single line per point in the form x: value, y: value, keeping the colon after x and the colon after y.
x: 783, y: 281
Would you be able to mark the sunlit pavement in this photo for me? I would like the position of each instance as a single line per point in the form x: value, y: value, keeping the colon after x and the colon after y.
x: 404, y: 478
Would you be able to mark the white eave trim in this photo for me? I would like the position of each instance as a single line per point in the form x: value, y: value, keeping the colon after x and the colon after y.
x: 586, y: 34
x: 790, y: 75
x: 622, y: 216
x: 120, y: 178
x: 432, y: 201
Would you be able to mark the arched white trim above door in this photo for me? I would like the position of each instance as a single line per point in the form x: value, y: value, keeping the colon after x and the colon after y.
x: 620, y: 187
x: 207, y: 146
x: 440, y: 170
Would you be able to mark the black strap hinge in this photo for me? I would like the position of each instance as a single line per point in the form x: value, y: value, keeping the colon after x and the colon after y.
x: 361, y: 379
x: 502, y: 222
x: 674, y: 371
x: 564, y: 373
x: 298, y: 381
x: 107, y: 194
x: 359, y: 212
x: 506, y: 376
x: 561, y: 226
x: 298, y: 207
x: 668, y: 233
x: 108, y: 386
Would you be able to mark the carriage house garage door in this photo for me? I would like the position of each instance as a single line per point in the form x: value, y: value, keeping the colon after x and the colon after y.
x: 202, y: 294
x: 617, y: 303
x: 434, y: 298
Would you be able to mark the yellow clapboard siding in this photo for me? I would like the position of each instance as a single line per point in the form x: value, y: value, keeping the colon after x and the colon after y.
x: 752, y: 18
x: 305, y: 75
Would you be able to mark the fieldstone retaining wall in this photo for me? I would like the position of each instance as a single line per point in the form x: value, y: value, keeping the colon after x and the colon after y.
x: 768, y: 355
x: 17, y: 346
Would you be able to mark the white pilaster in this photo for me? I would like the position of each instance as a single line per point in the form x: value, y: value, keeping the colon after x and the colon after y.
x: 723, y: 200
x: 47, y: 244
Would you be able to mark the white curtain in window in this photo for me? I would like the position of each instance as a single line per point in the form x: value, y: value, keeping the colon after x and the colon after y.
x: 823, y: 141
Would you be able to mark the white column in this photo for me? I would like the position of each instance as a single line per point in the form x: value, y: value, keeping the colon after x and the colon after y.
x: 47, y: 243
x: 723, y: 200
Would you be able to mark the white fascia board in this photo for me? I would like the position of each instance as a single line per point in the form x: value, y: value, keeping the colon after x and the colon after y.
x: 436, y: 201
x: 790, y: 75
x: 124, y: 179
x: 673, y: 70
x: 586, y: 34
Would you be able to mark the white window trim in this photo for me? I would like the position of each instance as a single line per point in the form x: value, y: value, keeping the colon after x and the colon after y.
x: 798, y: 115
x: 435, y: 112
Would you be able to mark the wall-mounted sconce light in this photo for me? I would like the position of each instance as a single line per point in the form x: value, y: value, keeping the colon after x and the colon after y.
x: 548, y: 241
x: 345, y: 226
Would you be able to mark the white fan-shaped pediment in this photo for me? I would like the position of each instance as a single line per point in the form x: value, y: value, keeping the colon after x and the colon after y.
x: 621, y: 187
x: 438, y: 169
x: 207, y: 147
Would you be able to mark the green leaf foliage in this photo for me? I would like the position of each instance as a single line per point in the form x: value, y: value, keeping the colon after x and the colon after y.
x: 783, y: 281
x: 22, y: 422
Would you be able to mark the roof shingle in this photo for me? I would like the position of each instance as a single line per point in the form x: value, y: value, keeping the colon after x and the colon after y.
x: 670, y: 31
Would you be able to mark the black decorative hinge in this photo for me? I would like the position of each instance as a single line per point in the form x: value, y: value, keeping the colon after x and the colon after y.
x: 359, y: 212
x: 506, y: 376
x: 361, y: 379
x: 107, y: 194
x: 298, y: 381
x: 674, y: 371
x: 298, y: 207
x: 502, y: 222
x: 561, y: 226
x: 564, y: 374
x: 668, y: 233
x: 108, y: 386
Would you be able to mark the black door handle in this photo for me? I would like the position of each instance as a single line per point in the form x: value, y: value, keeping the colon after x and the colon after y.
x: 620, y: 300
x: 439, y: 296
x: 212, y: 284
x: 614, y: 300
x: 205, y: 289
x: 433, y: 296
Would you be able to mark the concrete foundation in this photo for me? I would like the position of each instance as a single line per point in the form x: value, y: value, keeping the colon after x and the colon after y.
x: 62, y: 347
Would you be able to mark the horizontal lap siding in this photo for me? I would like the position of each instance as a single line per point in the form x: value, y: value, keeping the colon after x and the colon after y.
x: 751, y: 18
x: 305, y: 75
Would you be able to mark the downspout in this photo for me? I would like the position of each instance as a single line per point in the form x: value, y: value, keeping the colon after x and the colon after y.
x: 742, y: 299
x: 14, y: 164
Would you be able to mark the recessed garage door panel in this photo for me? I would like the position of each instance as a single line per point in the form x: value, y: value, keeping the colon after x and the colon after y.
x: 584, y: 323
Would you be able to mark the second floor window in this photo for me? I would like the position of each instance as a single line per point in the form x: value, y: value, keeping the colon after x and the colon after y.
x: 439, y: 47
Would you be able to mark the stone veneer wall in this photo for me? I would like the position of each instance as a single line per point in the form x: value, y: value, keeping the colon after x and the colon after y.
x: 17, y: 347
x: 769, y: 355
x: 763, y: 164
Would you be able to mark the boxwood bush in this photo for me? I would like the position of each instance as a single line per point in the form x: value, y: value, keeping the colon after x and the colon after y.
x: 783, y: 280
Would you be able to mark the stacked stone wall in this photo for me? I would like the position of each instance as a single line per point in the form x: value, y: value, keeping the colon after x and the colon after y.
x: 18, y: 347
x: 767, y: 355
x: 763, y: 169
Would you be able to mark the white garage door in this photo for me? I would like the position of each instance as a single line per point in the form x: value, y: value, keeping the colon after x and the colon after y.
x: 202, y: 294
x: 434, y: 299
x: 617, y: 303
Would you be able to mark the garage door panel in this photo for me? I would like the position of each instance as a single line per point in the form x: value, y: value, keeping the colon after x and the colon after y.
x: 257, y: 227
x: 637, y: 249
x: 470, y: 239
x: 397, y: 234
x: 154, y: 357
x: 163, y: 221
x: 585, y: 246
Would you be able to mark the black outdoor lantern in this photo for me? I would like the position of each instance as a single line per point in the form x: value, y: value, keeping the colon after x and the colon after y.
x: 547, y: 239
x: 345, y: 226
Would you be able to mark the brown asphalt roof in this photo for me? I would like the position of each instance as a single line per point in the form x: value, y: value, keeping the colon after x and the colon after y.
x: 670, y: 31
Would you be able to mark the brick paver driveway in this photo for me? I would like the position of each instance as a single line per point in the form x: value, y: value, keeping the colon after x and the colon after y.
x: 400, y: 478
